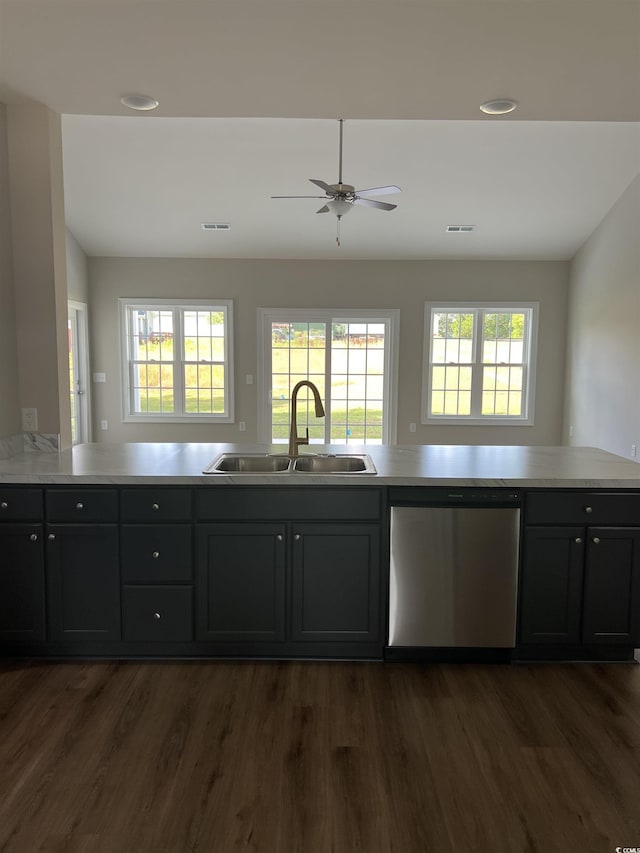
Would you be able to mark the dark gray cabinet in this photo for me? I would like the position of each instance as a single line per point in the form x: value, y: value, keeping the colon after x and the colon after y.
x: 83, y: 583
x: 580, y: 578
x: 335, y: 583
x: 241, y: 582
x: 272, y: 579
x: 22, y: 596
x: 157, y: 565
x: 22, y: 616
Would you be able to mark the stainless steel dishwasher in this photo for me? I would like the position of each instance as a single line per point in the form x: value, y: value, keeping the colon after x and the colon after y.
x: 454, y: 567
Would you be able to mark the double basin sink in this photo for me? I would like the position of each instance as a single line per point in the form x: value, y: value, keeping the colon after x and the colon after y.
x: 268, y: 463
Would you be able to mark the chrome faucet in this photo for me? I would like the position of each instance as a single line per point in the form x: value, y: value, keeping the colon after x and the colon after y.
x: 294, y: 440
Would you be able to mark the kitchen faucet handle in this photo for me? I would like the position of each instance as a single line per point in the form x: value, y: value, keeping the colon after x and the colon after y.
x: 304, y: 440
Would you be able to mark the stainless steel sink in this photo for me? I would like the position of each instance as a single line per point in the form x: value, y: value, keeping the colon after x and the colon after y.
x: 310, y: 463
x: 342, y: 463
x: 248, y: 463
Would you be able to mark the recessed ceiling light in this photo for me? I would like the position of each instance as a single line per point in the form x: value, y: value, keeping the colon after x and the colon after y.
x: 499, y: 107
x: 216, y: 226
x: 139, y: 102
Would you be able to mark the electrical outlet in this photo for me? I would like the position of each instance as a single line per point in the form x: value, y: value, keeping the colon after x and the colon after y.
x: 249, y: 379
x: 30, y: 420
x: 104, y: 424
x: 634, y: 451
x: 571, y: 431
x: 412, y: 427
x: 99, y: 377
x: 242, y: 426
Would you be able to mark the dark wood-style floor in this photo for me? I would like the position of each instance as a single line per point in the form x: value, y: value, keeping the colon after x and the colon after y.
x: 318, y: 757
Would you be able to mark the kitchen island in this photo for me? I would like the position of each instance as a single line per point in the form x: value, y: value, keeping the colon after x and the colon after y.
x: 131, y: 551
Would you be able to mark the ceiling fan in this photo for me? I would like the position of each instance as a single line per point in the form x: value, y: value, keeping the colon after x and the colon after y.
x: 340, y: 198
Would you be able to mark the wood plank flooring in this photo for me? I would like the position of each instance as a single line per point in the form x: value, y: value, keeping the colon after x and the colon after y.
x: 318, y: 757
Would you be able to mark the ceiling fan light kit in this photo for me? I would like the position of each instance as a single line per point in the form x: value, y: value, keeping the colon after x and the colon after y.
x: 340, y: 197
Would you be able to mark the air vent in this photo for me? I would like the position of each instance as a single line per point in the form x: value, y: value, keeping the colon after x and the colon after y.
x: 216, y: 226
x: 460, y: 229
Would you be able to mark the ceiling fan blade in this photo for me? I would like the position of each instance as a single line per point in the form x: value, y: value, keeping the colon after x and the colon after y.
x: 297, y: 196
x: 323, y: 186
x: 324, y: 209
x: 369, y: 202
x: 379, y: 191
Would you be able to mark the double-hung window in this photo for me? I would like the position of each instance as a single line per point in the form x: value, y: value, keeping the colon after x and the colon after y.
x: 479, y: 364
x: 350, y: 356
x: 177, y: 360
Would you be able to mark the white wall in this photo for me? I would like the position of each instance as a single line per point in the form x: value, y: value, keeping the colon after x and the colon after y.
x: 347, y: 284
x: 602, y: 401
x: 9, y: 402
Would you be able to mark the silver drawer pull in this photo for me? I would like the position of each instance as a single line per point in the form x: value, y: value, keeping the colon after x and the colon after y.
x: 157, y: 616
x: 595, y: 540
x: 4, y: 505
x: 155, y: 555
x: 297, y: 537
x: 34, y: 537
x: 79, y: 505
x: 279, y: 537
x: 588, y: 509
x: 51, y: 537
x: 578, y: 540
x: 155, y: 506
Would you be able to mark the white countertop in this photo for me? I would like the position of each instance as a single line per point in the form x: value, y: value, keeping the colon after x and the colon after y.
x: 425, y: 465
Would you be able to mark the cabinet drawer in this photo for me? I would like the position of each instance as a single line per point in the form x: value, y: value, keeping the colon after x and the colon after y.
x: 583, y: 508
x: 162, y: 613
x: 154, y: 505
x: 20, y: 504
x: 156, y: 553
x: 78, y: 505
x: 225, y: 503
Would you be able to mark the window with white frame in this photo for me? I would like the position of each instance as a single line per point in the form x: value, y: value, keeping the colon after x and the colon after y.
x: 479, y: 363
x: 349, y: 355
x: 177, y: 360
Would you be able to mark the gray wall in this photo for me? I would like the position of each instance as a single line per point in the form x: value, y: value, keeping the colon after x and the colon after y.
x: 77, y: 271
x: 347, y: 284
x: 9, y: 402
x: 602, y: 401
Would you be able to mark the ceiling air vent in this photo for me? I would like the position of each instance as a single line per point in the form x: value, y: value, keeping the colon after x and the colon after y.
x: 460, y: 229
x: 216, y: 226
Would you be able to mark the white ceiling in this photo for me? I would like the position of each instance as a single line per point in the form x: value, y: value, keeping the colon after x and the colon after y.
x: 249, y: 90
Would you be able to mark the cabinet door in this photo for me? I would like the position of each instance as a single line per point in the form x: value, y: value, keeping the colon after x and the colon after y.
x: 21, y: 584
x: 335, y: 583
x: 551, y: 585
x: 83, y: 582
x: 240, y: 576
x: 612, y: 586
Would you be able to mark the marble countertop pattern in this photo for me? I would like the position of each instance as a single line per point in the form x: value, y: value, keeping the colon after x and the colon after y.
x: 420, y: 465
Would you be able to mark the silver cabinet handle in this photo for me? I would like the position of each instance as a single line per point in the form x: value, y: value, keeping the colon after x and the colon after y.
x: 79, y: 505
x: 4, y: 505
x: 588, y: 509
x: 595, y: 540
x: 51, y: 537
x: 34, y: 537
x: 155, y: 555
x: 157, y: 616
x: 279, y: 537
x: 155, y: 506
x: 578, y: 540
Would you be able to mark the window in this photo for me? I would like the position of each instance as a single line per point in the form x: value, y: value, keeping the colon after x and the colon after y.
x: 177, y: 360
x: 479, y: 363
x: 349, y: 356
